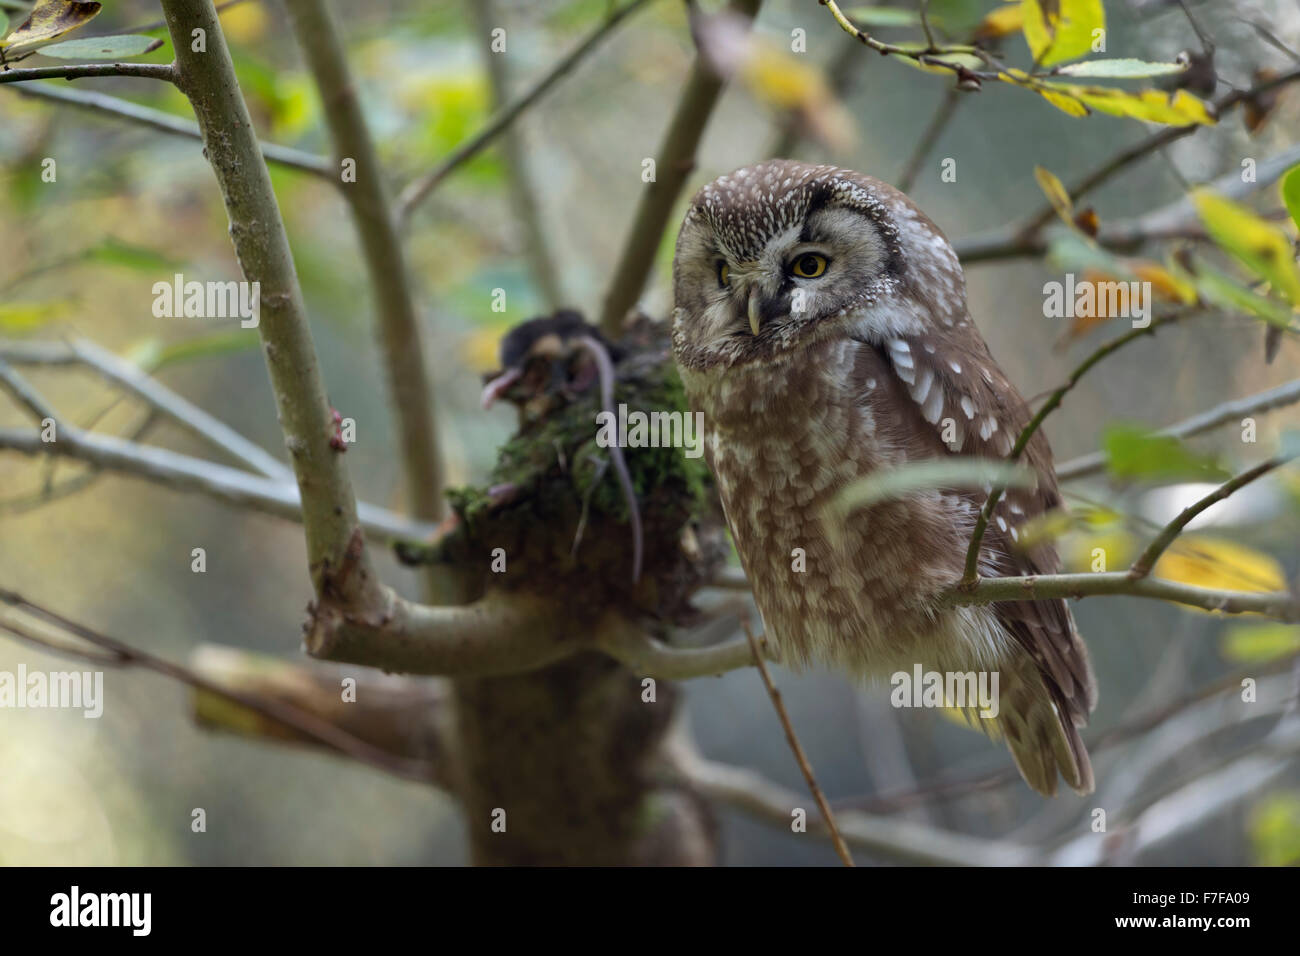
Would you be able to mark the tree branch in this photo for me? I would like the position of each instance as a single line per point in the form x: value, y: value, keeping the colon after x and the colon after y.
x: 1274, y: 604
x: 676, y: 159
x: 525, y: 209
x: 419, y: 189
x: 1222, y: 414
x: 1173, y: 220
x: 302, y: 722
x: 401, y: 716
x: 97, y: 102
x: 828, y: 818
x: 153, y: 71
x: 153, y: 393
x: 184, y: 473
x: 257, y: 230
x: 891, y: 839
x: 390, y: 280
x: 1143, y: 565
x: 1053, y: 402
x: 648, y: 657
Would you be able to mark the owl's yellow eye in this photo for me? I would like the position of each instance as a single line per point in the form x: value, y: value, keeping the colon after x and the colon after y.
x: 809, y: 266
x: 724, y: 272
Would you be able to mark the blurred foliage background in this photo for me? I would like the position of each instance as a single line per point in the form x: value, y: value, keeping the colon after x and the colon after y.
x: 131, y: 207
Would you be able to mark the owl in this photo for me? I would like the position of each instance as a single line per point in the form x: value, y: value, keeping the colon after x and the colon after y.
x: 820, y: 325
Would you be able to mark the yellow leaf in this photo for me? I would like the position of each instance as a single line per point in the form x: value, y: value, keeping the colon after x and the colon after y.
x: 245, y: 22
x: 1258, y: 244
x: 791, y: 84
x: 1217, y: 563
x: 1110, y: 551
x: 1000, y: 22
x: 1058, y: 30
x: 1056, y: 194
x: 1164, y: 283
x: 479, y: 349
x: 1178, y: 108
x: 1258, y: 643
x: 49, y: 20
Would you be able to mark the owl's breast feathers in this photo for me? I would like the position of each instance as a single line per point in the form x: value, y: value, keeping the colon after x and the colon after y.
x: 783, y: 437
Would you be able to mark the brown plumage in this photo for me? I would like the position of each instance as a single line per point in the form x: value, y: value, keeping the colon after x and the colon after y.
x: 821, y: 327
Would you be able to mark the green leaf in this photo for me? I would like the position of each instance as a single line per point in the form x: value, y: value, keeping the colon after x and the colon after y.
x: 49, y: 20
x: 1291, y: 193
x: 1120, y: 68
x: 1058, y: 30
x: 26, y: 316
x: 1227, y: 293
x: 1134, y: 451
x: 102, y: 48
x: 1259, y: 643
x: 1256, y: 243
x: 114, y: 252
x: 1275, y: 830
x: 955, y: 472
x: 207, y: 346
x: 4, y: 22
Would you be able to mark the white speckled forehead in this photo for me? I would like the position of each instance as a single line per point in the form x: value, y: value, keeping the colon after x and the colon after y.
x: 746, y: 209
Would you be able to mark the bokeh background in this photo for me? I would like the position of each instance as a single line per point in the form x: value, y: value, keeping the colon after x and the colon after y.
x: 131, y: 206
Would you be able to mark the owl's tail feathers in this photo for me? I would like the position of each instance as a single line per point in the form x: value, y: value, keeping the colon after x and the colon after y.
x: 1040, y: 730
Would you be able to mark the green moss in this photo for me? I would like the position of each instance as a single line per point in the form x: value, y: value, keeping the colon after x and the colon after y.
x: 559, y: 473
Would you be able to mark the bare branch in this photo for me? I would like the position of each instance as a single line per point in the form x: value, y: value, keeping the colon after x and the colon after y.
x: 153, y: 71
x: 801, y: 758
x: 262, y: 247
x: 892, y: 839
x: 1053, y: 402
x: 390, y: 281
x: 1274, y: 604
x: 153, y: 393
x: 524, y: 206
x: 648, y: 657
x: 97, y: 102
x: 300, y: 721
x: 1169, y: 221
x: 1201, y: 798
x: 1231, y: 411
x: 674, y: 162
x: 938, y: 123
x: 184, y: 473
x: 502, y: 633
x: 1147, y: 560
x: 402, y: 716
x: 419, y: 189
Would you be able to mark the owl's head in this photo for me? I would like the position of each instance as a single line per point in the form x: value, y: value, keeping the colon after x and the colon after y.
x: 775, y: 255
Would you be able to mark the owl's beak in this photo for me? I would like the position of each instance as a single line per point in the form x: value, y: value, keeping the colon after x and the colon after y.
x: 755, y: 309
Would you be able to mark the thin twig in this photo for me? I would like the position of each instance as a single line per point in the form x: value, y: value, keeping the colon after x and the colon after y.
x: 938, y: 123
x: 1147, y: 560
x: 114, y: 106
x: 185, y: 473
x: 971, y: 573
x: 1231, y: 411
x: 397, y: 319
x: 673, y: 164
x: 1145, y: 147
x: 305, y: 723
x: 419, y: 189
x: 800, y: 757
